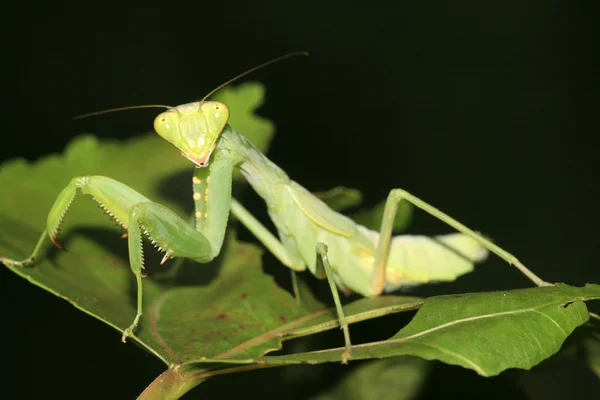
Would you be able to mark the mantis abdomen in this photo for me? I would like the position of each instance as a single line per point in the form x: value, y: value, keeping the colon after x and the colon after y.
x: 302, y: 221
x: 412, y: 260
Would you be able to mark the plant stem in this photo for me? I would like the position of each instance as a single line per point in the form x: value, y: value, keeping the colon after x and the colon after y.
x: 171, y: 385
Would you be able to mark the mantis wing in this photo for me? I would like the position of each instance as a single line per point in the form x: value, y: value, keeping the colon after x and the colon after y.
x: 320, y: 213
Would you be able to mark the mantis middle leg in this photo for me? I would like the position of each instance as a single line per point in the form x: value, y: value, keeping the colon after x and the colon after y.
x: 269, y: 241
x: 276, y: 247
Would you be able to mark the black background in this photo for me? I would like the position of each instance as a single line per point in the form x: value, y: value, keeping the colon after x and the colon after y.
x: 486, y: 111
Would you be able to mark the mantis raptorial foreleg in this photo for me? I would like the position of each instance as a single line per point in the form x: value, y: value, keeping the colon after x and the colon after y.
x: 142, y: 217
x: 167, y: 231
x: 385, y: 234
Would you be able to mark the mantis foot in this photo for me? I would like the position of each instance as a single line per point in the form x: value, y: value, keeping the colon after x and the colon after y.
x: 346, y: 355
x: 127, y: 332
x: 14, y: 263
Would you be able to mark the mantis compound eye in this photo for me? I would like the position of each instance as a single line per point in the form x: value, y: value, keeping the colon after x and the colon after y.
x: 217, y: 115
x: 166, y: 125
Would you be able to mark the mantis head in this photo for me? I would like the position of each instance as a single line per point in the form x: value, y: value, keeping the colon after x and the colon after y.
x: 193, y: 128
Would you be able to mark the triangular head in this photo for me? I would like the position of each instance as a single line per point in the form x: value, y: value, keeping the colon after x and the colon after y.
x: 193, y: 128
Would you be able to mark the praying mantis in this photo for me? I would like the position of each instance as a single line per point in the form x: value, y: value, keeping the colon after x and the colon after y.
x: 310, y: 235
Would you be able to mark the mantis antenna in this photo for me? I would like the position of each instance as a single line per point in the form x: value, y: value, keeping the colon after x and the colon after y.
x: 292, y: 54
x: 109, y: 110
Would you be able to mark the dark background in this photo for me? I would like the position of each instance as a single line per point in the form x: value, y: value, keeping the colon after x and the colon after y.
x: 486, y: 111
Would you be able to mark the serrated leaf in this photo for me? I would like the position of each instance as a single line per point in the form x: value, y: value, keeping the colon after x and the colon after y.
x: 485, y: 332
x: 243, y: 101
x: 219, y: 298
x: 94, y: 275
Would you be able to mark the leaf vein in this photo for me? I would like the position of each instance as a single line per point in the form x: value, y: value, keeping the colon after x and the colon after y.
x: 553, y: 321
x: 475, y: 366
x: 469, y: 319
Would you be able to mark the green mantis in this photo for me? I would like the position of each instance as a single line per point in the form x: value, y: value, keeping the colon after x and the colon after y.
x: 310, y: 235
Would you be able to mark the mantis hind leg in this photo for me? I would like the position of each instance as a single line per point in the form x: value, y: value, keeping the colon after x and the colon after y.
x: 323, y: 265
x: 385, y: 234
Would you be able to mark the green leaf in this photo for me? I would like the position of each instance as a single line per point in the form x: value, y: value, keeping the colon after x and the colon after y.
x: 201, y: 319
x: 192, y: 310
x: 243, y: 101
x: 592, y: 352
x: 228, y: 308
x: 359, y: 310
x: 94, y: 274
x: 400, y: 378
x: 180, y: 378
x: 372, y: 217
x: 340, y: 198
x: 485, y: 332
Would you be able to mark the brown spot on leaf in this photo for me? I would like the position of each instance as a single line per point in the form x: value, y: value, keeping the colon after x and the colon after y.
x: 222, y: 316
x: 244, y: 296
x: 282, y: 317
